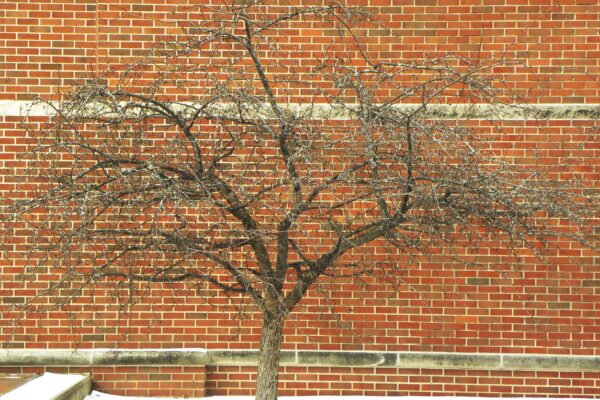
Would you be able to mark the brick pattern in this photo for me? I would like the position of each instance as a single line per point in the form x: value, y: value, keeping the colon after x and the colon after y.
x: 45, y: 44
x: 336, y: 381
x: 530, y: 306
x: 505, y: 306
x: 164, y: 381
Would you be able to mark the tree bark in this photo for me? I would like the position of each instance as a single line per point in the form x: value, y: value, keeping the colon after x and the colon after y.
x: 268, y: 356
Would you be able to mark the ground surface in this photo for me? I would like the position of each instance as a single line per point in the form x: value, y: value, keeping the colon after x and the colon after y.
x: 102, y: 396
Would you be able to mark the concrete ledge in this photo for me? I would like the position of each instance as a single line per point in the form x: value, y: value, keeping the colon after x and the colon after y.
x: 496, y: 112
x: 522, y: 362
x: 346, y: 359
x: 53, y: 387
x: 449, y: 360
x: 78, y: 391
x: 421, y: 360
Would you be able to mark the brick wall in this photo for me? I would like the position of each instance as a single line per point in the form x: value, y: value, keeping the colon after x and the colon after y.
x: 46, y: 44
x: 340, y: 381
x: 508, y: 304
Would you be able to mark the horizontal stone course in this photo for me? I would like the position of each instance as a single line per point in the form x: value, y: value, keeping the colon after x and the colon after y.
x: 492, y: 112
x: 421, y: 360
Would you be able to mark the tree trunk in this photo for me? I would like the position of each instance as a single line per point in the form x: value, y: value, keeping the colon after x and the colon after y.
x: 268, y: 356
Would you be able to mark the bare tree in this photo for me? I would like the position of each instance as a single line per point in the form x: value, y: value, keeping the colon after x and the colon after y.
x: 227, y: 156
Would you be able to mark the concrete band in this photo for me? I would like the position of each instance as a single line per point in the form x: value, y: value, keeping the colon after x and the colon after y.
x: 420, y: 360
x: 494, y: 112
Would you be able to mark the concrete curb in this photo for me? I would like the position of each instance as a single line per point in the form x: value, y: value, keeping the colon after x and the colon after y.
x: 77, y: 391
x: 51, y: 386
x: 420, y: 360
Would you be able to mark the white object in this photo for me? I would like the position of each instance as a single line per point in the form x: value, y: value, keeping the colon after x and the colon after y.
x: 45, y: 387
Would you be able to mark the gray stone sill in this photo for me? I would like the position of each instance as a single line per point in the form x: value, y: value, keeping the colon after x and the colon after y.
x: 421, y: 360
x: 541, y: 111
